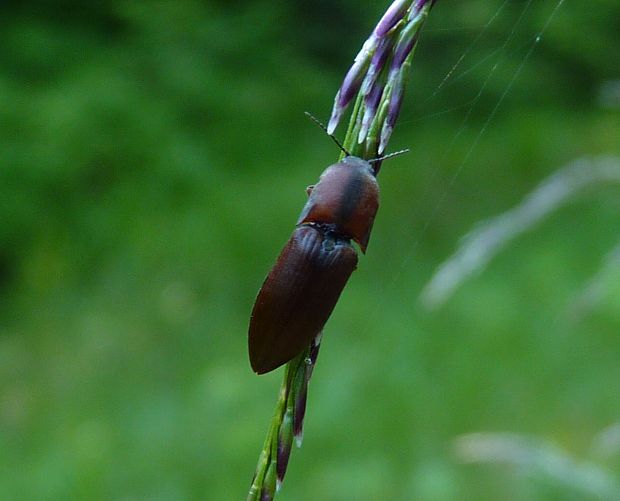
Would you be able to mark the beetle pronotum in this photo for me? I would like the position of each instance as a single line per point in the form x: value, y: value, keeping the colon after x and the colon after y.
x: 304, y: 285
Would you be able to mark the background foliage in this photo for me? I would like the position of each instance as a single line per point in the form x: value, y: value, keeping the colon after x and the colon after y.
x: 155, y: 156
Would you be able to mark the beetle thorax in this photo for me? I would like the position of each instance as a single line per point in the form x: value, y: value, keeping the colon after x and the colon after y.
x: 346, y: 198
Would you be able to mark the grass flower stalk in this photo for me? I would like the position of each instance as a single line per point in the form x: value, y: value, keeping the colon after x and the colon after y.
x: 375, y: 83
x: 286, y: 425
x: 386, y: 60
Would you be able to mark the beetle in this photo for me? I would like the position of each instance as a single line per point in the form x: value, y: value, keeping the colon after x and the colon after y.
x: 301, y: 290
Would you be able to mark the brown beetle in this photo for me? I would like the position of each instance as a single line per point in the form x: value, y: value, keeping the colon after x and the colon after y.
x: 304, y: 285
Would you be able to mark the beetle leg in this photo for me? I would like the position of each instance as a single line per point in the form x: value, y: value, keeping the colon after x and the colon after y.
x: 309, y: 189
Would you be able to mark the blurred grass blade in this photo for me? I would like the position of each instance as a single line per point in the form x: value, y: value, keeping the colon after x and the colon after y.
x: 539, y: 459
x: 484, y: 242
x: 598, y: 287
x: 607, y: 443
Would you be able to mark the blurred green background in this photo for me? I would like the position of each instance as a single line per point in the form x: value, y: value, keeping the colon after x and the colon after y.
x: 154, y: 161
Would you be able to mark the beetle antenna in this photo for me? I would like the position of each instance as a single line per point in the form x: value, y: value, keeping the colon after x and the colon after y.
x: 389, y: 155
x: 320, y: 124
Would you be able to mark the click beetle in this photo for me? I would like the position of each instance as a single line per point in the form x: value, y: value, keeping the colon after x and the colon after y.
x: 300, y: 292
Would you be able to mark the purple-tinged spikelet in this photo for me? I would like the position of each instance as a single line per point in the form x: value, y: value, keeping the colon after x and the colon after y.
x: 392, y: 16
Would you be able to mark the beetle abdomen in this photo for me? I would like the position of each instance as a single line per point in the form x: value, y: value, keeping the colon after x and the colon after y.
x: 298, y: 295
